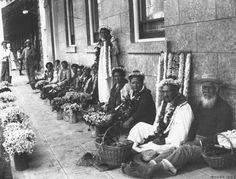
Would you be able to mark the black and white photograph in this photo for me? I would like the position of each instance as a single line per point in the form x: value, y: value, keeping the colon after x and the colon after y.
x: 117, y: 89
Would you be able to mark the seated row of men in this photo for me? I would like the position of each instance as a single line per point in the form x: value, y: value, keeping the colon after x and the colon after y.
x: 60, y: 79
x: 177, y: 133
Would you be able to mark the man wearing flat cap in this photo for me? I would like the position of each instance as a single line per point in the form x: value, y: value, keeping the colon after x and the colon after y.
x: 213, y: 115
x: 29, y: 55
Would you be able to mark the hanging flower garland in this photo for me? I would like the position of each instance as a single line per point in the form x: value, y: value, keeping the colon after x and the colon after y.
x: 159, y: 77
x: 169, y: 67
x: 187, y: 75
x: 165, y: 65
x: 181, y: 71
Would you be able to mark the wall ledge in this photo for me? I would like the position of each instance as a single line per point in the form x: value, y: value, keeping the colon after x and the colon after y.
x: 71, y: 49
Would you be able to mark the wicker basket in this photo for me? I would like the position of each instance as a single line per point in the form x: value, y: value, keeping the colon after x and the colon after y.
x: 113, y: 155
x: 223, y: 161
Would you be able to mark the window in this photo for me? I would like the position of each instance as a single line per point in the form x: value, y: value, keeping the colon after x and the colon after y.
x: 148, y: 19
x: 69, y: 17
x: 94, y: 9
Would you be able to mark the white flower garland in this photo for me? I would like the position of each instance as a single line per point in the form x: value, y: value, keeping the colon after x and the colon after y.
x: 187, y: 75
x: 165, y: 65
x: 160, y: 74
x: 169, y: 67
x: 181, y: 71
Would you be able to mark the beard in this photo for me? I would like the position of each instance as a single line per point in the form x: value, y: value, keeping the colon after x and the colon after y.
x: 208, y: 102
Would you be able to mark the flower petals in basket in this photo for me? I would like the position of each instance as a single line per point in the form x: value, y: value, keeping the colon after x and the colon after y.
x: 98, y: 118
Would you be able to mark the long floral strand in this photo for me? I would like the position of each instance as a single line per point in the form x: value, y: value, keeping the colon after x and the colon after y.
x: 187, y: 75
x: 181, y: 71
x: 169, y: 67
x: 165, y: 65
x: 159, y: 78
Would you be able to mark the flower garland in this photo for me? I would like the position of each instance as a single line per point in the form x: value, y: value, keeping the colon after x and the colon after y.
x: 181, y: 71
x: 187, y: 75
x: 169, y: 67
x: 165, y: 65
x: 7, y: 97
x: 18, y: 139
x: 164, y: 117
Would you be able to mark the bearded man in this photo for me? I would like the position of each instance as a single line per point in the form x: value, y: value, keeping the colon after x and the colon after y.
x: 213, y: 115
x: 172, y: 124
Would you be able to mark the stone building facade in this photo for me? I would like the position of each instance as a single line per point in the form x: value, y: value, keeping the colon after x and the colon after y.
x: 207, y: 28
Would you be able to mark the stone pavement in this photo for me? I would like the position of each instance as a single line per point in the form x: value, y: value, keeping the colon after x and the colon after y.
x: 60, y: 145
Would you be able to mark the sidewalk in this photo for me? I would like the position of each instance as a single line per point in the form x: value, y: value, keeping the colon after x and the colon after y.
x: 60, y: 145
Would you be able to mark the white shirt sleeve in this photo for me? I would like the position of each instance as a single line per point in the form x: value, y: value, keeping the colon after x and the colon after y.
x: 179, y: 127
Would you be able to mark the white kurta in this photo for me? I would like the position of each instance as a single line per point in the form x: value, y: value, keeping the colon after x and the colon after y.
x: 178, y: 129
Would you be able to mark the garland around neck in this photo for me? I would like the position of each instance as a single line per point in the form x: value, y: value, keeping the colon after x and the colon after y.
x: 131, y: 93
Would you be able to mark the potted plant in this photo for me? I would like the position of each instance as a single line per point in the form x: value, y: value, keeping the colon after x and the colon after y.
x: 18, y: 142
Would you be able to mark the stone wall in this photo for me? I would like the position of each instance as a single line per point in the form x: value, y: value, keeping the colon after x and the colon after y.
x: 208, y: 29
x: 204, y: 27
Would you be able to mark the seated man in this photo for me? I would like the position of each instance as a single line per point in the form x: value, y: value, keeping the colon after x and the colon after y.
x: 212, y: 116
x: 172, y: 122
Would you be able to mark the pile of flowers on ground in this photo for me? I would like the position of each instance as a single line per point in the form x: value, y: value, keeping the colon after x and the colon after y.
x: 18, y: 139
x: 7, y: 97
x: 18, y: 136
x: 12, y: 115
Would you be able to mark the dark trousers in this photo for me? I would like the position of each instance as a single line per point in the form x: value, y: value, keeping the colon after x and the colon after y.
x: 5, y: 72
x: 21, y: 65
x: 30, y: 70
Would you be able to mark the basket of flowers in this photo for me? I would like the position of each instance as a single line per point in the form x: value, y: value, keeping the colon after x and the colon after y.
x: 13, y: 115
x: 98, y: 118
x: 72, y: 111
x: 113, y: 149
x: 57, y: 104
x: 18, y: 142
x: 7, y: 97
x: 219, y: 157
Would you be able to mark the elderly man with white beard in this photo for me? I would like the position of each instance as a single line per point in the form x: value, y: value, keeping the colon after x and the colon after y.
x: 213, y: 115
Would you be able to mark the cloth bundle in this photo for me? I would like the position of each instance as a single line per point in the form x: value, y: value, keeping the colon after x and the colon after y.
x: 231, y: 135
